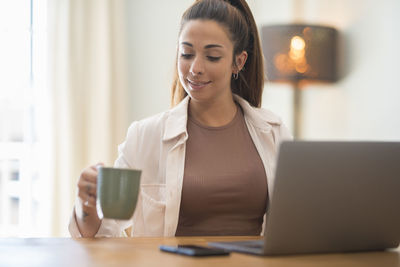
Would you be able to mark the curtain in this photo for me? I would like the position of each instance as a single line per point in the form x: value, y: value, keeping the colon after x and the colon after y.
x: 88, y: 83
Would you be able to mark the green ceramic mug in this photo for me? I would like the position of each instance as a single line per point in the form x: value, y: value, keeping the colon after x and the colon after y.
x: 117, y: 192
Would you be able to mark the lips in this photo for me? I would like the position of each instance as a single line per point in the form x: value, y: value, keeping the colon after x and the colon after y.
x: 196, y: 85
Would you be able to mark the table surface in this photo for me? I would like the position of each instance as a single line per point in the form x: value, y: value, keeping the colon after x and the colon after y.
x: 145, y: 252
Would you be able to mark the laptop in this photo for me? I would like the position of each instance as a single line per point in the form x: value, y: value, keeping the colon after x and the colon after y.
x: 331, y: 197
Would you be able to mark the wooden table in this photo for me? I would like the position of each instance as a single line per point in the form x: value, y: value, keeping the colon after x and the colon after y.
x: 145, y: 252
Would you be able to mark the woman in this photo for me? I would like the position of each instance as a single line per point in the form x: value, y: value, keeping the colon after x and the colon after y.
x: 207, y: 164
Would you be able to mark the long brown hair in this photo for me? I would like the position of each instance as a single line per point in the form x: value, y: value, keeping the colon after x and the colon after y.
x: 236, y: 16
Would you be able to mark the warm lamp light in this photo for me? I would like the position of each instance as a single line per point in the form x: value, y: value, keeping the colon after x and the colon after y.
x: 299, y: 53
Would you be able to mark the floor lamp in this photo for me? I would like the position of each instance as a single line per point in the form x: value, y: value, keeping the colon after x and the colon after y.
x: 299, y: 54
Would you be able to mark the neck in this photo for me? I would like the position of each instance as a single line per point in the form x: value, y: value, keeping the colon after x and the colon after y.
x: 214, y: 114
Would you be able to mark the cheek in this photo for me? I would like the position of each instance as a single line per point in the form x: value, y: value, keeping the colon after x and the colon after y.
x: 182, y: 71
x: 183, y: 67
x: 221, y: 72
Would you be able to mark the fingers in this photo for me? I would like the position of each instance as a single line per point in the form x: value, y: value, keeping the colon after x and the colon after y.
x: 87, y: 186
x: 88, y: 200
x: 89, y: 174
x: 95, y: 167
x: 87, y: 193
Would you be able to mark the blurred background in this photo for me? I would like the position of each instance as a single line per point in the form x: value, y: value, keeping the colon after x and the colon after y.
x: 75, y: 73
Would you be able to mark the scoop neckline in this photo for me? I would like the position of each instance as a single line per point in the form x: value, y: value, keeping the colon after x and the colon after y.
x: 229, y: 124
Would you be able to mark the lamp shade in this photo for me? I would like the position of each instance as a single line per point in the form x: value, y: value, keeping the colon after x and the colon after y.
x: 295, y: 52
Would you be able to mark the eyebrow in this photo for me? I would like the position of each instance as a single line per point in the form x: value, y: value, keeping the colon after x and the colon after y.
x: 206, y: 47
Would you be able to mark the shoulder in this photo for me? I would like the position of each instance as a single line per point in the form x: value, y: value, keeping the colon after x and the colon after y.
x: 142, y: 140
x: 264, y: 119
x: 164, y: 125
x: 259, y: 116
x: 278, y: 127
x: 147, y: 137
x: 151, y: 122
x: 268, y: 116
x: 149, y: 127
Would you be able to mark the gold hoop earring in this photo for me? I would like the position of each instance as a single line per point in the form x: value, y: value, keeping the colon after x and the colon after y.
x: 235, y: 76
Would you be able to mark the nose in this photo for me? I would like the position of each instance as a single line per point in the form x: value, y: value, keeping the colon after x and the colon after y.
x: 197, y: 66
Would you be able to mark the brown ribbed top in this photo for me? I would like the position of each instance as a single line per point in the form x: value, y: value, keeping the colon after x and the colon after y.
x: 224, y: 185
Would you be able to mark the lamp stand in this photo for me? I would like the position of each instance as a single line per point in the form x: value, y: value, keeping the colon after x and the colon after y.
x: 297, y: 110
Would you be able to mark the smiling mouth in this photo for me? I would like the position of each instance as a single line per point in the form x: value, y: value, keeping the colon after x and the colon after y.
x: 197, y: 84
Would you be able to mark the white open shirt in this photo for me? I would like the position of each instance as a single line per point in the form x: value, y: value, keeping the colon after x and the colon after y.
x: 157, y: 146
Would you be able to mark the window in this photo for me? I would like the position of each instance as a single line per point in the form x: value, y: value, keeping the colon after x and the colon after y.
x: 25, y: 208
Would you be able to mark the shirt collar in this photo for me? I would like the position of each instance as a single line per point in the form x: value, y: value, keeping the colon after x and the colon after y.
x: 177, y: 120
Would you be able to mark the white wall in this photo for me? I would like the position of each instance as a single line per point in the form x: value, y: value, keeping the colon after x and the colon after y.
x: 152, y: 38
x: 363, y: 105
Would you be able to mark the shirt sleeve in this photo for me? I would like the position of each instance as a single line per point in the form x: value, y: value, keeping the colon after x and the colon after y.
x: 73, y: 225
x: 108, y: 227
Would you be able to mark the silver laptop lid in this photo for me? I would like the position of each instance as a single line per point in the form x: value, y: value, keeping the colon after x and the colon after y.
x: 334, y: 197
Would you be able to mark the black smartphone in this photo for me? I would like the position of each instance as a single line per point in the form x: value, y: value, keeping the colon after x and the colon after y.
x: 194, y: 250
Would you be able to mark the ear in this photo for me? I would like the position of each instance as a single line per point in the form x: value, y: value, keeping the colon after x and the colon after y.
x: 240, y: 60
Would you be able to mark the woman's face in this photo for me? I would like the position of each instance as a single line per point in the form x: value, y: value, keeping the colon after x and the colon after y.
x: 205, y: 61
